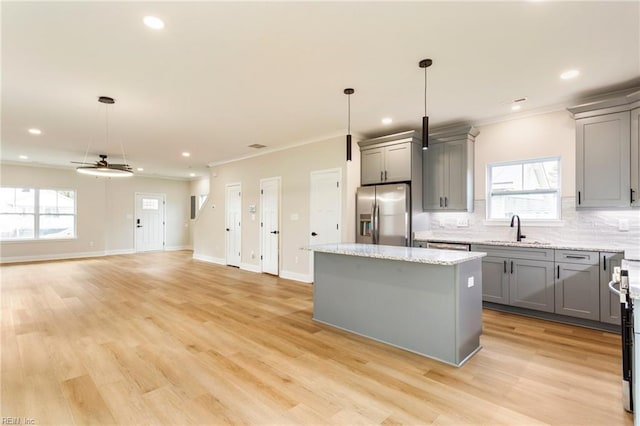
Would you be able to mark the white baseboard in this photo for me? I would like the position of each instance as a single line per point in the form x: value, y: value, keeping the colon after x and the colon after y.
x: 43, y: 257
x: 209, y: 259
x: 176, y: 248
x: 118, y: 252
x: 251, y: 267
x: 305, y: 278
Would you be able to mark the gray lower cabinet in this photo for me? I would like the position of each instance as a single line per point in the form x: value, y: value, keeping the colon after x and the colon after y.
x: 578, y: 290
x: 495, y: 280
x: 609, y: 302
x: 577, y: 284
x: 531, y: 284
x: 524, y: 278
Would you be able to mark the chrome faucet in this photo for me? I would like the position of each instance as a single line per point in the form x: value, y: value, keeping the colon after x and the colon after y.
x: 519, y: 235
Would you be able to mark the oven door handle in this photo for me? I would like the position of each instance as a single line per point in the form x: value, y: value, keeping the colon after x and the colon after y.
x: 612, y: 289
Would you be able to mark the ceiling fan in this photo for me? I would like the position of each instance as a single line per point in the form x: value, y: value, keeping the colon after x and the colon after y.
x: 103, y: 168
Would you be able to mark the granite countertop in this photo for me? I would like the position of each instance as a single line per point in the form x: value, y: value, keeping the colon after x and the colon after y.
x: 406, y: 254
x: 527, y: 244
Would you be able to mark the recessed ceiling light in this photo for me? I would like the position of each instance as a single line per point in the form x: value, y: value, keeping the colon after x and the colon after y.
x: 35, y: 131
x: 153, y: 22
x: 186, y: 154
x: 567, y: 75
x: 387, y: 120
x: 515, y: 107
x: 192, y: 174
x: 140, y: 169
x: 23, y: 157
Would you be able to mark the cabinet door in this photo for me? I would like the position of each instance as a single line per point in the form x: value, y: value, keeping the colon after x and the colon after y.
x: 609, y: 302
x: 531, y: 284
x: 455, y: 175
x: 602, y: 161
x: 578, y: 290
x: 635, y: 157
x: 372, y: 168
x: 495, y: 280
x: 397, y: 163
x: 432, y: 177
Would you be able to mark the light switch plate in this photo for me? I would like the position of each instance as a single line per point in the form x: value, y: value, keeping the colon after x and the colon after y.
x: 470, y: 282
x: 463, y: 222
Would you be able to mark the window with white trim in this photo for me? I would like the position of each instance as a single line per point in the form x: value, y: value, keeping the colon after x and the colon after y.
x: 528, y: 188
x: 33, y: 214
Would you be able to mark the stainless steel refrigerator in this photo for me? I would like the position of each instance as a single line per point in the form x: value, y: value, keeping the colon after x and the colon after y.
x: 383, y: 214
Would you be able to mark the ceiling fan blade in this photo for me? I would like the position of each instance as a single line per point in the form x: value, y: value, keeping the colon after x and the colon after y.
x: 81, y: 162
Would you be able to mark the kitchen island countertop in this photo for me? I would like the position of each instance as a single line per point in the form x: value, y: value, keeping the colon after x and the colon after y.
x: 407, y: 254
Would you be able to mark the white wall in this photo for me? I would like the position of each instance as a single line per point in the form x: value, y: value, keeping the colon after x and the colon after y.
x: 293, y: 166
x: 105, y: 210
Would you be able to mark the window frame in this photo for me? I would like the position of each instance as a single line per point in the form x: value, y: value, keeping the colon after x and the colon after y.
x: 36, y: 216
x: 558, y: 190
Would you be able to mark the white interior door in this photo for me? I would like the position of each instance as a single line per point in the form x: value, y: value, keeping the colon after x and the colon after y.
x: 325, y: 208
x: 270, y: 225
x: 149, y: 223
x: 233, y: 214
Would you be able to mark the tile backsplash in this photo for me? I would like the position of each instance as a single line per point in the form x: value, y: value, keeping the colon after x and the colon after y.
x: 606, y: 228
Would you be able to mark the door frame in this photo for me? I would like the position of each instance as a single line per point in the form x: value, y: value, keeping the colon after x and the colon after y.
x: 278, y: 180
x: 164, y: 216
x: 226, y: 216
x: 337, y: 170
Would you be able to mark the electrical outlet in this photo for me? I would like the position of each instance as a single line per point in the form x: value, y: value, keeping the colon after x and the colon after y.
x: 296, y: 259
x: 463, y: 222
x: 470, y: 282
x: 623, y: 225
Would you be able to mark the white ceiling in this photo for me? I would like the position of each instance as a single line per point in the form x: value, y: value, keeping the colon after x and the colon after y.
x: 224, y: 75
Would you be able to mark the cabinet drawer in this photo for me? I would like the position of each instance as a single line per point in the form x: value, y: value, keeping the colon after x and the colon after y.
x: 577, y: 256
x: 515, y: 252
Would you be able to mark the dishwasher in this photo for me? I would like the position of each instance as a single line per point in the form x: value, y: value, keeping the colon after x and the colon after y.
x: 442, y: 245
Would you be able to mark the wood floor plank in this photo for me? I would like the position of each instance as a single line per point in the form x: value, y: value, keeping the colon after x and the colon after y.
x: 159, y: 338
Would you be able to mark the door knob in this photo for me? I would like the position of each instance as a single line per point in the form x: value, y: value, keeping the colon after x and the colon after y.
x: 274, y: 232
x: 313, y: 234
x: 138, y: 226
x: 228, y: 229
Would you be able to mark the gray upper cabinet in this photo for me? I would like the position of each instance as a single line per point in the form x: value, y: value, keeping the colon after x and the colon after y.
x: 448, y: 170
x: 604, y: 161
x: 635, y: 157
x: 609, y: 302
x: 385, y: 160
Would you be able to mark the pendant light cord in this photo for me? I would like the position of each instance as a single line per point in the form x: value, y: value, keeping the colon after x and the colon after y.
x: 425, y: 91
x: 349, y: 114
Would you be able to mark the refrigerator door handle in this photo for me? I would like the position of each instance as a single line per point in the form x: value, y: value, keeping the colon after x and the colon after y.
x: 377, y: 226
x: 374, y: 225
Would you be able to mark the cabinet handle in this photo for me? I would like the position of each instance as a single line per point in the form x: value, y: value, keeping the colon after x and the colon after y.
x: 604, y: 262
x: 385, y: 175
x: 440, y: 201
x: 575, y: 257
x: 579, y: 198
x: 631, y: 191
x: 381, y: 176
x: 445, y: 201
x: 512, y: 266
x: 558, y: 271
x: 505, y: 266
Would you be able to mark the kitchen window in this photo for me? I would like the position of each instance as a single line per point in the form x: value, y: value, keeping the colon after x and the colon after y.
x: 37, y: 214
x: 528, y: 188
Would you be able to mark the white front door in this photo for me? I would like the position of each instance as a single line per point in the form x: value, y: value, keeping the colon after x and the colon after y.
x: 233, y: 214
x: 149, y: 222
x: 325, y: 207
x: 270, y: 224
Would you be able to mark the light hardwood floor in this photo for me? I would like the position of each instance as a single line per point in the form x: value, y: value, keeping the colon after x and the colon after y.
x: 162, y: 339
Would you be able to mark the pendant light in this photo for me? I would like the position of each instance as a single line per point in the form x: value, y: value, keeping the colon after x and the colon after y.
x: 425, y: 63
x: 102, y: 167
x: 349, y: 92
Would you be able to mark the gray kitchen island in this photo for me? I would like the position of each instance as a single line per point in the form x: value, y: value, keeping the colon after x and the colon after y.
x: 423, y: 300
